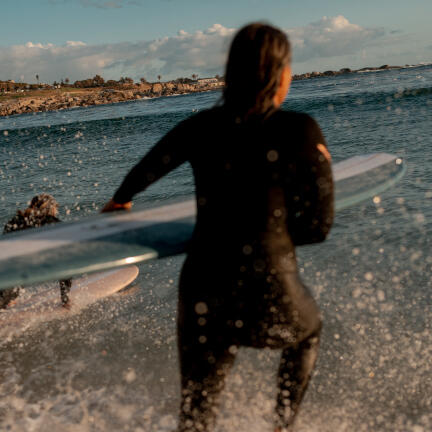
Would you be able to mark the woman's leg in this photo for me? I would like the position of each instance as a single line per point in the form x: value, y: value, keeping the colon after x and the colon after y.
x: 206, y: 347
x: 8, y: 295
x: 65, y: 286
x: 203, y: 373
x: 300, y: 343
x: 295, y: 369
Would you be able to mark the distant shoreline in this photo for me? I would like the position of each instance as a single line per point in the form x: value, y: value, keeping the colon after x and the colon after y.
x: 344, y: 71
x: 69, y: 97
x: 66, y: 97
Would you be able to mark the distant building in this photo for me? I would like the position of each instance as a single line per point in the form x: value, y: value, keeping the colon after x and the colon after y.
x: 208, y: 82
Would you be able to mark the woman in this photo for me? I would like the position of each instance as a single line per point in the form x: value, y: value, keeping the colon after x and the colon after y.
x: 43, y: 210
x: 263, y: 185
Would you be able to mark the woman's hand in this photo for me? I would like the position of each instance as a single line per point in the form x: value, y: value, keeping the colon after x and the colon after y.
x: 111, y: 205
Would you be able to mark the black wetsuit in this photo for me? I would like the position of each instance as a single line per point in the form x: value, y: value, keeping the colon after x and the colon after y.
x: 262, y: 188
x: 23, y: 221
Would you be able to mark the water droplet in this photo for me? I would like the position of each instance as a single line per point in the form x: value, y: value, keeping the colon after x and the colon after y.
x: 201, y: 308
x: 233, y: 349
x: 247, y: 249
x: 130, y: 376
x: 239, y: 323
x: 272, y: 155
x: 369, y: 276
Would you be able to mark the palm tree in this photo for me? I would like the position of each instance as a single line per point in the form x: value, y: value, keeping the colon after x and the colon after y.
x: 159, y: 77
x: 37, y: 78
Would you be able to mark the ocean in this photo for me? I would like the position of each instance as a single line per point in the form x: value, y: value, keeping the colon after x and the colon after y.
x: 113, y: 366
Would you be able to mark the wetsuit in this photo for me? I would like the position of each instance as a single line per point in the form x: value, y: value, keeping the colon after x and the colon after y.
x: 23, y: 221
x: 262, y: 188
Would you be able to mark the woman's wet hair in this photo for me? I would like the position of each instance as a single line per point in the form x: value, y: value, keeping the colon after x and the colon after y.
x: 257, y: 57
x: 42, y: 204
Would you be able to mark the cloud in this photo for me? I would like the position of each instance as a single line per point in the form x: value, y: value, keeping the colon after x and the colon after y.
x: 202, y: 52
x: 331, y: 36
x: 38, y: 45
x: 75, y: 43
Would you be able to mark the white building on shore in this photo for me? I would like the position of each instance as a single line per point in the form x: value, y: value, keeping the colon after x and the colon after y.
x: 208, y: 82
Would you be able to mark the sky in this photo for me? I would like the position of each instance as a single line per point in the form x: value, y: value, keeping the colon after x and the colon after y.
x: 77, y: 39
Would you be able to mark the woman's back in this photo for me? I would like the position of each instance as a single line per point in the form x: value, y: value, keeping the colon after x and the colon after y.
x: 253, y: 180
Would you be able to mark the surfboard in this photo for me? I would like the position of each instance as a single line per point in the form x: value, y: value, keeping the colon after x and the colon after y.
x: 117, y: 239
x: 42, y: 303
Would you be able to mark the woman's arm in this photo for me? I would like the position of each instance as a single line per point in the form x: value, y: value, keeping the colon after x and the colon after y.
x: 170, y: 152
x: 312, y: 218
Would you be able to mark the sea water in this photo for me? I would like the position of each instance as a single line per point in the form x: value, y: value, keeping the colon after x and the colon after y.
x: 113, y: 366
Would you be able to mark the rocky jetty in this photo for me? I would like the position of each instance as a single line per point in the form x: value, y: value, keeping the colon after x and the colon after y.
x: 97, y: 96
x: 342, y: 71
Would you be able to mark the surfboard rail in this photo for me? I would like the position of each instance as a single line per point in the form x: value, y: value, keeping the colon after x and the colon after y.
x: 113, y: 240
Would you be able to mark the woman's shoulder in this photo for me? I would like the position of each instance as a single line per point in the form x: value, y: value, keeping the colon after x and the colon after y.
x: 294, y: 120
x: 300, y: 130
x: 300, y: 126
x: 297, y: 118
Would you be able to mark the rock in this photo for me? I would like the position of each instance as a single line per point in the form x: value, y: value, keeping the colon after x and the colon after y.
x: 143, y: 87
x: 169, y: 86
x: 157, y: 88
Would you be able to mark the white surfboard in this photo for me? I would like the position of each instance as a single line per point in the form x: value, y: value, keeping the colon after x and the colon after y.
x: 36, y: 304
x: 112, y: 240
